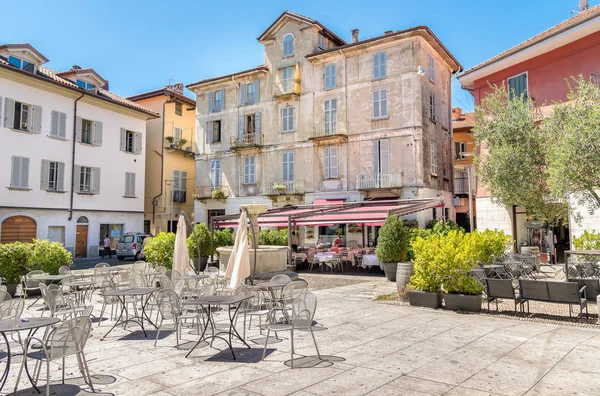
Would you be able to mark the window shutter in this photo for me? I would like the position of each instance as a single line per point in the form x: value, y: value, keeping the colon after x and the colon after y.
x: 97, y: 133
x: 291, y: 165
x: 127, y: 185
x: 326, y: 164
x: 96, y: 180
x: 15, y: 171
x: 210, y: 102
x: 218, y: 173
x: 183, y: 183
x: 253, y: 170
x: 208, y: 132
x: 376, y: 111
x: 60, y: 178
x: 137, y: 138
x: 384, y: 148
x: 382, y: 65
x: 0, y: 107
x: 246, y: 169
x: 36, y: 124
x: 77, y: 178
x: 333, y: 162
x: 383, y: 103
x: 457, y: 150
x: 257, y: 123
x: 44, y: 181
x: 123, y: 139
x: 176, y: 179
x: 376, y: 157
x: 78, y: 129
x: 256, y: 91
x: 20, y: 172
x: 242, y: 94
x: 62, y: 125
x: 222, y: 107
x: 241, y: 128
x: 54, y: 121
x: 132, y: 184
x: 9, y: 113
x: 284, y: 163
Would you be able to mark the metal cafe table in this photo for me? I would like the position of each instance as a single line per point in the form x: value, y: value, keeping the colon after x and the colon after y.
x: 233, y: 304
x: 49, y: 278
x: 11, y: 325
x: 272, y: 287
x: 143, y: 293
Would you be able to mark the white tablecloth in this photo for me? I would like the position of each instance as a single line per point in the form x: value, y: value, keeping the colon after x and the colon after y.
x: 324, y: 256
x: 370, y: 260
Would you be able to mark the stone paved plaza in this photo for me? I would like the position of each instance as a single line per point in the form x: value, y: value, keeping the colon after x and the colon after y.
x: 371, y: 348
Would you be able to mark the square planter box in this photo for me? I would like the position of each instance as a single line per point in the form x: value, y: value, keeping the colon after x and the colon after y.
x: 419, y: 298
x: 463, y: 302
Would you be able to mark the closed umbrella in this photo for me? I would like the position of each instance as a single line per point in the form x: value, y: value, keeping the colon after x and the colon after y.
x: 238, y: 267
x: 181, y: 257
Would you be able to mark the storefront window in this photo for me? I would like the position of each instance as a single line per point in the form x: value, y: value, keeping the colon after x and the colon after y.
x: 114, y: 232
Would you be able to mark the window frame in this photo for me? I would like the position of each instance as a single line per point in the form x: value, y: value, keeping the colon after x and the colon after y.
x: 433, y: 158
x: 18, y: 123
x: 330, y: 125
x: 285, y: 119
x: 212, y: 137
x: 526, y: 73
x: 331, y: 78
x: 21, y: 64
x: 290, y: 80
x: 213, y: 169
x: 432, y: 107
x: 218, y: 98
x: 379, y: 101
x: 85, y: 172
x: 459, y: 156
x: 380, y: 65
x: 85, y: 132
x: 431, y: 69
x: 284, y: 42
x: 85, y: 85
x: 130, y: 141
x: 178, y: 108
x: 52, y: 176
x: 327, y: 165
x: 321, y: 41
x: 249, y: 170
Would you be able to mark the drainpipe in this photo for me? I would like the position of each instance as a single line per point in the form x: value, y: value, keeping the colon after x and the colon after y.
x: 347, y: 124
x: 162, y: 161
x: 73, y: 157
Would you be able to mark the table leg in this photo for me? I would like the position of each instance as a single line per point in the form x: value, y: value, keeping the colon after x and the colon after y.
x: 122, y: 301
x: 7, y: 369
x: 31, y: 334
x: 232, y: 326
x: 208, y: 322
x: 144, y: 311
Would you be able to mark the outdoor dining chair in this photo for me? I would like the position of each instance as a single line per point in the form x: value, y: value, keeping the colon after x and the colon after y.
x: 64, y: 270
x: 170, y: 308
x: 68, y: 339
x: 102, y: 265
x: 281, y: 278
x: 258, y: 306
x: 4, y: 295
x: 29, y: 284
x: 59, y: 305
x: 303, y: 311
x: 173, y: 275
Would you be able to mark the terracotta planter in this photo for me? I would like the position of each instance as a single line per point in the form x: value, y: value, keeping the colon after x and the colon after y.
x: 420, y: 298
x: 390, y: 271
x: 463, y: 302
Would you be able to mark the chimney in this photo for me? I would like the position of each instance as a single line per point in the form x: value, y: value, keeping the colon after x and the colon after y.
x: 456, y: 113
x: 388, y: 32
x: 354, y: 35
x: 76, y: 67
x: 583, y: 5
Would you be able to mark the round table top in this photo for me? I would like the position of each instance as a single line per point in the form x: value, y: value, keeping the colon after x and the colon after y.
x: 79, y: 283
x: 273, y: 284
x: 196, y: 276
x: 32, y: 323
x: 48, y: 277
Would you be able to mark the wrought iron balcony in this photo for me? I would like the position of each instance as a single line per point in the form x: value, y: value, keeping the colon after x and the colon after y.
x: 461, y: 184
x: 376, y: 181
x: 327, y: 131
x: 285, y: 187
x: 247, y: 140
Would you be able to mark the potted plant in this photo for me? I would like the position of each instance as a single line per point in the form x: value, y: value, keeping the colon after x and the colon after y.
x: 182, y: 142
x: 425, y: 285
x: 15, y: 262
x: 280, y: 188
x: 171, y: 140
x: 159, y: 250
x: 392, y: 246
x: 200, y: 246
x: 219, y: 194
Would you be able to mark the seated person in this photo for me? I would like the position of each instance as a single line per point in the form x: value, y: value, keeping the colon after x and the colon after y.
x: 337, y: 243
x: 294, y: 241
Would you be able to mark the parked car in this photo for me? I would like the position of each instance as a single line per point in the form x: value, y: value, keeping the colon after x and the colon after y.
x: 131, y: 244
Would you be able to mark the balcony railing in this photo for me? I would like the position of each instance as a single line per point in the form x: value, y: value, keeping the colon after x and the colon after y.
x: 184, y: 141
x: 327, y: 130
x: 249, y: 190
x: 208, y: 192
x: 179, y: 196
x: 246, y: 141
x: 378, y: 180
x: 286, y: 87
x: 330, y: 185
x: 285, y: 187
x: 461, y: 184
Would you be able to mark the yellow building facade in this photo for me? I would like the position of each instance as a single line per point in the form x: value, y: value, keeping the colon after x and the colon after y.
x: 170, y: 164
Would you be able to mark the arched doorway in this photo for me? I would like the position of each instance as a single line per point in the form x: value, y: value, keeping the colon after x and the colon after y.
x: 18, y: 228
x: 81, y: 237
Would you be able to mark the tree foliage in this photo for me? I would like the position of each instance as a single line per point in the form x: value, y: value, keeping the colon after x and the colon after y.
x: 393, y: 241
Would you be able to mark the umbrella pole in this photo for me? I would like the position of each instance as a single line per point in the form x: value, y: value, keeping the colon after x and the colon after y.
x: 254, y: 245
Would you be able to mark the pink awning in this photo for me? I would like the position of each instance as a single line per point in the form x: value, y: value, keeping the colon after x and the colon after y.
x: 329, y: 201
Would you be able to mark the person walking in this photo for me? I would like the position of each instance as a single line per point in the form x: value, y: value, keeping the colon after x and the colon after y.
x: 107, y: 247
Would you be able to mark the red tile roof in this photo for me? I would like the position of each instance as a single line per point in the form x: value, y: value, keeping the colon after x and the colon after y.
x: 466, y: 120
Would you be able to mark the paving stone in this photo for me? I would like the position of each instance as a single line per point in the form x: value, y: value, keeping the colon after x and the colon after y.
x: 358, y: 381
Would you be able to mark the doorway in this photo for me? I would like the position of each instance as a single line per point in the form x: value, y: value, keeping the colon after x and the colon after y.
x: 81, y: 237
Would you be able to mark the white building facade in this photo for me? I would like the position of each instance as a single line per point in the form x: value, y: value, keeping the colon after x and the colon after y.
x: 72, y: 157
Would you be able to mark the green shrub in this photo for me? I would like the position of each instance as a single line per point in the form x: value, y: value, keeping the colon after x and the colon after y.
x: 49, y: 256
x: 15, y: 261
x: 201, y: 234
x: 273, y: 237
x: 488, y: 245
x: 160, y: 249
x: 224, y: 238
x: 587, y: 241
x: 393, y: 241
x: 434, y: 255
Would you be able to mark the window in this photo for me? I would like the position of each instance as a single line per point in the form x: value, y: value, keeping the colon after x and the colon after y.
x: 131, y: 142
x: 86, y: 131
x: 330, y: 167
x: 216, y: 100
x: 433, y: 147
x: 288, y: 166
x: 21, y: 64
x: 85, y: 85
x: 380, y: 108
x: 379, y: 66
x: 432, y: 106
x: 179, y: 186
x: 249, y: 170
x: 288, y: 45
x: 381, y: 158
x: 249, y: 121
x: 330, y: 116
x: 431, y: 69
x: 216, y: 131
x: 178, y: 108
x: 287, y: 119
x: 215, y: 174
x: 53, y: 176
x: 517, y: 86
x: 19, y: 177
x: 129, y: 185
x: 58, y: 126
x: 85, y: 179
x: 330, y: 76
x: 321, y: 41
x: 249, y: 93
x: 88, y: 180
x: 22, y: 116
x: 177, y: 133
x: 287, y: 79
x: 249, y: 124
x: 460, y: 148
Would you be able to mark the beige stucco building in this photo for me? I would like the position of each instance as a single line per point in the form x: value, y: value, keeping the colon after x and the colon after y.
x: 170, y: 150
x: 325, y: 119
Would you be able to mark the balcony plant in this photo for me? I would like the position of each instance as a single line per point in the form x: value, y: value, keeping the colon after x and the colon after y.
x: 392, y: 246
x: 200, y: 246
x: 219, y: 194
x: 181, y: 142
x: 15, y: 261
x: 171, y: 140
x: 280, y: 188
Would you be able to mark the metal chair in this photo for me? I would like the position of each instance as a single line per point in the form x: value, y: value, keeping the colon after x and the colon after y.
x: 169, y: 306
x: 102, y: 265
x: 281, y: 278
x: 173, y: 275
x: 64, y: 270
x: 303, y: 311
x: 28, y: 284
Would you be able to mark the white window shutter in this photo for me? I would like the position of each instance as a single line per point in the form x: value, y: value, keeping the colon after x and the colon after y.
x: 375, y: 157
x: 137, y: 141
x: 176, y: 179
x: 210, y: 102
x: 62, y: 125
x: 15, y: 172
x: 96, y: 180
x: 333, y: 162
x: 241, y: 128
x: 97, y: 133
x: 383, y: 108
x: 242, y: 94
x: 44, y: 180
x: 326, y: 164
x: 78, y: 129
x: 77, y: 178
x: 253, y: 170
x: 20, y: 172
x: 123, y: 144
x: 183, y: 184
x: 246, y: 170
x: 383, y: 64
x: 54, y: 123
x: 208, y: 132
x: 384, y: 147
x: 218, y: 173
x: 132, y: 184
x: 284, y: 163
x: 127, y: 194
x: 256, y: 91
x: 36, y: 119
x: 257, y: 123
x: 9, y: 113
x: 60, y: 178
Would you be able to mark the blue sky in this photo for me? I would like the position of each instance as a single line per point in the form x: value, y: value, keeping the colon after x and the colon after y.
x: 143, y: 45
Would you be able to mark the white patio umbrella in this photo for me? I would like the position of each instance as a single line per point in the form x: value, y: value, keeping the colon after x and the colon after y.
x: 181, y: 257
x: 238, y: 267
